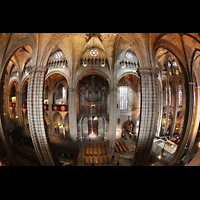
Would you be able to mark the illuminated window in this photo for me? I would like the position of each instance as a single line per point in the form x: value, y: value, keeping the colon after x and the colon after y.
x: 166, y: 94
x: 59, y: 54
x: 123, y: 95
x: 180, y: 93
x: 129, y: 55
x: 93, y: 52
x: 170, y: 96
x: 175, y: 64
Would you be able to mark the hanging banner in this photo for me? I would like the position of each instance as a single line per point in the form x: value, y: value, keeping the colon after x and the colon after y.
x: 63, y: 108
x: 12, y: 105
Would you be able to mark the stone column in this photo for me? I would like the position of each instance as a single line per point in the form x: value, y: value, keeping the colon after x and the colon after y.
x: 19, y: 108
x: 50, y: 103
x: 72, y: 113
x: 195, y: 126
x: 6, y: 102
x: 35, y: 101
x: 112, y: 118
x: 148, y: 116
x: 167, y: 108
x: 7, y: 108
x: 160, y: 111
x: 3, y: 132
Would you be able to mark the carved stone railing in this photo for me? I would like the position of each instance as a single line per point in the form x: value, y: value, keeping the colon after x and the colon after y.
x: 99, y: 62
x: 58, y: 64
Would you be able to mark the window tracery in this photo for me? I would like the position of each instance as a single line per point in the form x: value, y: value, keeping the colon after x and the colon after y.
x: 93, y: 52
x: 173, y: 68
x: 175, y: 64
x: 169, y: 64
x: 59, y: 54
x: 129, y: 55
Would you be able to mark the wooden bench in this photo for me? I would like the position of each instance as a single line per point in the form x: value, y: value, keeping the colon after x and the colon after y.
x: 91, y: 151
x: 100, y: 151
x: 95, y: 151
x: 87, y: 151
x: 96, y: 160
x: 86, y: 160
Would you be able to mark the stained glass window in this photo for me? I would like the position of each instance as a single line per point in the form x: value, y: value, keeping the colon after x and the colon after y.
x: 59, y: 54
x: 129, y: 55
x: 170, y: 96
x: 175, y: 64
x: 180, y: 92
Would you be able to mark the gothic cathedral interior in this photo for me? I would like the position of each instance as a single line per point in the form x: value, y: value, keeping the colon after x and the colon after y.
x: 99, y: 99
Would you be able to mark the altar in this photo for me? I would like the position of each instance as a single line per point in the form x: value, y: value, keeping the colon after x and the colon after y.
x: 169, y: 146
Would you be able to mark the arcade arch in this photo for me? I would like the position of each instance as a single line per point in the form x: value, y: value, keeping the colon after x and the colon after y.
x: 56, y: 103
x: 128, y: 103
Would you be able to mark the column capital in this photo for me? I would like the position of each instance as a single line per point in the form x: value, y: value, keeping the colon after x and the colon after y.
x: 148, y: 71
x: 72, y: 89
x: 191, y: 83
x: 113, y: 89
x: 37, y: 69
